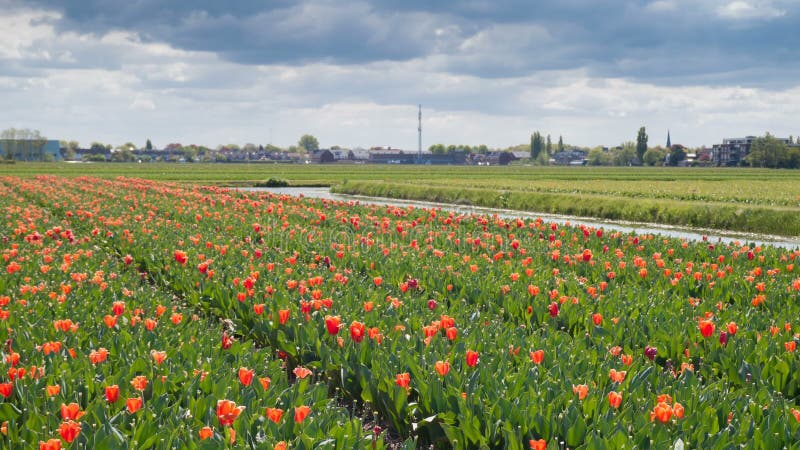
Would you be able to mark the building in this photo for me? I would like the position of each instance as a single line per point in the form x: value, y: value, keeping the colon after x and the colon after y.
x: 322, y: 156
x: 394, y: 156
x: 571, y: 157
x: 30, y: 150
x: 732, y: 151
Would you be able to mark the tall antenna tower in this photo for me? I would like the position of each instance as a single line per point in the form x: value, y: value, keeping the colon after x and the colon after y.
x: 419, y: 130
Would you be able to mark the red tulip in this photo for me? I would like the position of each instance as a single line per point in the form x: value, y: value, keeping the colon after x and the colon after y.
x: 134, y: 404
x: 333, y: 323
x: 274, y: 414
x: 227, y: 412
x: 472, y: 358
x: 112, y: 393
x: 706, y: 328
x: 69, y: 430
x: 357, y: 331
x: 246, y: 375
x: 300, y: 413
x: 614, y: 399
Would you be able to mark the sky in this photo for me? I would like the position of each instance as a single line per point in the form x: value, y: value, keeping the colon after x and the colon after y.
x: 353, y: 72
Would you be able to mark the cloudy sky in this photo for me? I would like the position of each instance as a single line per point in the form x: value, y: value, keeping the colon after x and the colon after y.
x: 351, y: 72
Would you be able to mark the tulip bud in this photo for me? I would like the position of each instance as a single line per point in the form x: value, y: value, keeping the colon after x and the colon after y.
x: 431, y: 304
x: 650, y: 352
x: 723, y: 338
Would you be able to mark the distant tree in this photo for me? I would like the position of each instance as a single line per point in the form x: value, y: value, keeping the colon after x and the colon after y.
x: 250, y: 147
x: 549, y: 147
x: 437, y: 149
x: 792, y: 160
x: 127, y: 146
x: 560, y: 144
x: 641, y: 143
x: 624, y: 155
x: 308, y: 143
x: 272, y: 148
x: 122, y: 155
x: 597, y: 157
x: 98, y: 147
x: 676, y: 155
x: 482, y: 149
x: 537, y: 144
x: 149, y: 145
x: 654, y: 156
x: 767, y: 151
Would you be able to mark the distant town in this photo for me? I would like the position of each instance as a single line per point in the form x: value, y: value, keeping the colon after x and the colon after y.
x: 754, y: 151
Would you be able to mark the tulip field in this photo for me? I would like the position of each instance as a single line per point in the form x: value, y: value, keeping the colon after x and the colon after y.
x: 139, y: 314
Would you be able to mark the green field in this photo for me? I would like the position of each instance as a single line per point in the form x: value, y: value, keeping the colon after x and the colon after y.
x: 751, y: 200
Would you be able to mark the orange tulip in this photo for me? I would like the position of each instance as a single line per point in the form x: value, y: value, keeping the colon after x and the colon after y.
x: 540, y: 444
x: 796, y: 414
x: 451, y: 333
x: 51, y: 444
x: 274, y: 414
x: 301, y: 372
x: 661, y: 412
x: 280, y: 446
x: 678, y: 410
x: 98, y: 356
x: 139, y: 382
x: 246, y: 375
x: 403, y: 380
x: 283, y: 316
x: 53, y: 390
x: 537, y: 357
x: 442, y: 367
x: 158, y: 356
x: 71, y: 411
x: 790, y: 346
x: 265, y: 381
x: 227, y: 412
x: 133, y: 404
x: 206, y: 432
x: 110, y: 320
x: 69, y: 430
x: 582, y: 390
x: 617, y: 377
x: 357, y: 331
x: 300, y: 413
x: 614, y: 399
x: 597, y: 319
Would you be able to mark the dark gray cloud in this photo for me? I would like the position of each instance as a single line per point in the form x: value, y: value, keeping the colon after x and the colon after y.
x: 666, y: 41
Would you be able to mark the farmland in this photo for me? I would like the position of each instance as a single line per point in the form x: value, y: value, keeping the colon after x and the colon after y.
x: 153, y: 314
x: 750, y: 200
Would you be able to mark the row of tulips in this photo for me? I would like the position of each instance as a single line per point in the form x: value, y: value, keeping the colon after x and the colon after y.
x: 456, y: 330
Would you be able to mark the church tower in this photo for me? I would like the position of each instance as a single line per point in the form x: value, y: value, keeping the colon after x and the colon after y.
x: 669, y: 143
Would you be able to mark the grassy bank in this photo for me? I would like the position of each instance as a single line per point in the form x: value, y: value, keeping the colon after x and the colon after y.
x: 716, y: 215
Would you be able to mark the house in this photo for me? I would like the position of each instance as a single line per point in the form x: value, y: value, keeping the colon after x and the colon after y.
x: 732, y: 151
x: 567, y: 157
x: 395, y: 156
x: 493, y: 159
x: 322, y: 156
x: 341, y: 154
